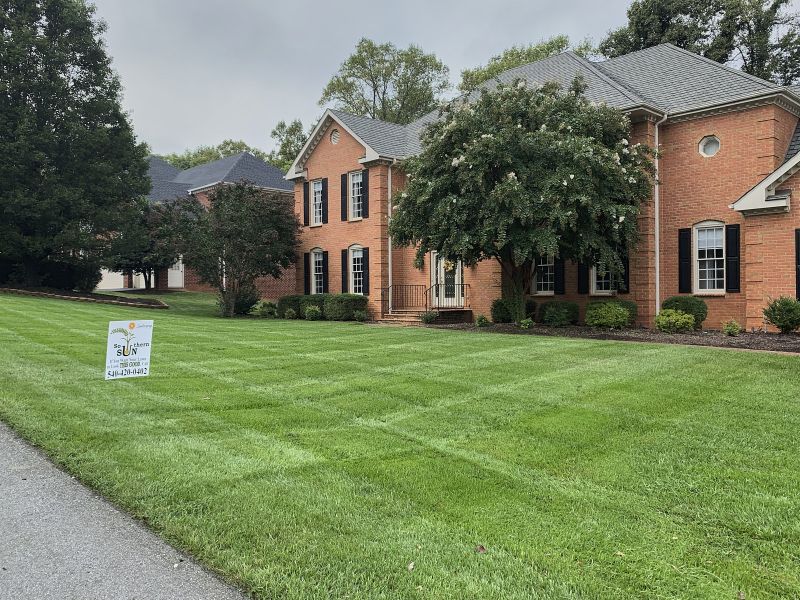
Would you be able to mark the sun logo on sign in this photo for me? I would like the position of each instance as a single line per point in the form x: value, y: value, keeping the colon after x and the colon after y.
x: 131, y: 325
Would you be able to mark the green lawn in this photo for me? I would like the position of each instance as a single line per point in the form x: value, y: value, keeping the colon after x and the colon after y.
x: 317, y: 460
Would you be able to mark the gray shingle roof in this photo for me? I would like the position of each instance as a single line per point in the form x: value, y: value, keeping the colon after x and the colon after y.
x: 168, y: 182
x: 794, y: 145
x: 678, y: 80
x: 233, y: 169
x: 664, y: 78
x: 387, y: 139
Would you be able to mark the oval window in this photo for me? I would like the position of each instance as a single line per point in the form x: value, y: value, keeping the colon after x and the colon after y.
x: 335, y: 136
x: 709, y: 146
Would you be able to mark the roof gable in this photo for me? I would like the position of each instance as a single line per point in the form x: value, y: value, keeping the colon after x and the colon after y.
x: 233, y: 169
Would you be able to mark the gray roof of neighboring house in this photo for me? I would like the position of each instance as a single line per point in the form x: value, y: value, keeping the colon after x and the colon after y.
x: 664, y: 78
x: 168, y: 182
x: 233, y: 169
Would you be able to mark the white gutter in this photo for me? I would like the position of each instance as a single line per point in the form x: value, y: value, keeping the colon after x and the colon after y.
x: 657, y: 207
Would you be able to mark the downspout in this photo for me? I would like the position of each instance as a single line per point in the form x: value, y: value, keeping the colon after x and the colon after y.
x: 657, y: 208
x: 389, y: 237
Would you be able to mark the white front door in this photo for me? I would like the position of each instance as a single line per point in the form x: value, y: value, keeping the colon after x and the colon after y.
x: 447, y: 283
x: 175, y: 275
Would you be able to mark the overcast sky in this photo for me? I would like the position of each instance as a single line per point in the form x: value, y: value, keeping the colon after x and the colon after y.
x: 197, y: 72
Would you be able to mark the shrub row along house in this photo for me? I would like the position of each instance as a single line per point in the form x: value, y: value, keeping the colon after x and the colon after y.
x: 168, y: 183
x: 720, y: 224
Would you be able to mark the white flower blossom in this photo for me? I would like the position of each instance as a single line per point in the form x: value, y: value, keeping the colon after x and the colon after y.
x: 631, y: 179
x: 512, y: 176
x: 543, y: 127
x: 625, y: 151
x: 616, y: 158
x: 487, y: 136
x: 457, y: 161
x: 622, y: 219
x: 520, y: 84
x: 565, y: 182
x: 571, y: 176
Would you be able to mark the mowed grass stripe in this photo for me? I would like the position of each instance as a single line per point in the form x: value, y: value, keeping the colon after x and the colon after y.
x: 316, y: 459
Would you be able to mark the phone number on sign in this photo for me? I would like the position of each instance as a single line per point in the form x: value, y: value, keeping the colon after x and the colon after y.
x: 126, y: 372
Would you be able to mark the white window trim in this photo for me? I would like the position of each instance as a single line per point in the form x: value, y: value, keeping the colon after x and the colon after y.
x: 350, y: 216
x: 701, y: 146
x: 696, y: 291
x: 350, y: 274
x: 593, y: 285
x: 552, y: 292
x: 313, y: 265
x: 312, y: 200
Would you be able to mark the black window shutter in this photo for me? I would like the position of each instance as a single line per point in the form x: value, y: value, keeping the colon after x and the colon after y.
x: 305, y: 203
x: 625, y: 286
x: 307, y: 273
x: 365, y: 260
x: 732, y: 260
x: 344, y: 196
x: 558, y: 276
x: 325, y: 200
x: 583, y: 278
x: 685, y: 261
x: 797, y: 259
x: 325, y: 272
x: 345, y: 271
x: 365, y: 193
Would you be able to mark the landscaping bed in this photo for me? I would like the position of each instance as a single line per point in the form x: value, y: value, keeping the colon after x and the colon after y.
x: 86, y: 297
x: 748, y: 341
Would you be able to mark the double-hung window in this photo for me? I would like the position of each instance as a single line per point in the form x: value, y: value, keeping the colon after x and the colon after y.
x: 316, y: 203
x: 356, y: 270
x: 709, y: 261
x: 544, y: 276
x: 356, y: 194
x: 317, y: 272
x: 603, y: 283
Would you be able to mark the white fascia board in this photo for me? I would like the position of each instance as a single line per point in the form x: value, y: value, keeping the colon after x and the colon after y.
x: 756, y: 198
x: 314, y: 139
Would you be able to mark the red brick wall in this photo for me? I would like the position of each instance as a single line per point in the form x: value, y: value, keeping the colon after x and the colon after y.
x: 695, y: 189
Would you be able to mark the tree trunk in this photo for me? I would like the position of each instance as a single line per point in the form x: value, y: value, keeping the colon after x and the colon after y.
x: 146, y: 274
x: 517, y: 285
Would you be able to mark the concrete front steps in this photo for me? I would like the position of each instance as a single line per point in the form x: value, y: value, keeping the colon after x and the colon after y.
x: 411, y: 317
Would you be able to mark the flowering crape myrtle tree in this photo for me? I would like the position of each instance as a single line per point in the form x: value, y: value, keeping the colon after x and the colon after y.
x: 521, y: 173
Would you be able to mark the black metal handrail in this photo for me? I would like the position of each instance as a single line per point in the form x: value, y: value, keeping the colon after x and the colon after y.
x: 447, y: 295
x: 403, y: 297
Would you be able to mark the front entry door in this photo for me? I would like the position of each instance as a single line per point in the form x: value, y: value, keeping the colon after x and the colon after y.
x: 447, y: 289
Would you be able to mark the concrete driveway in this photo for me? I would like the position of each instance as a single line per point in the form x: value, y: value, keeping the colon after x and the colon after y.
x: 59, y: 540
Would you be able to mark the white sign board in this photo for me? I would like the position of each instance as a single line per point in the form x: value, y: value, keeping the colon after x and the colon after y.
x: 128, y: 349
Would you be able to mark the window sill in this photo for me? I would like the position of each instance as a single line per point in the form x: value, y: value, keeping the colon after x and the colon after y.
x: 355, y: 220
x: 603, y: 294
x: 543, y: 294
x: 315, y: 225
x: 712, y: 294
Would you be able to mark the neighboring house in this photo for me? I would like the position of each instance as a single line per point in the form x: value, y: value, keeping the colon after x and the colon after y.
x: 169, y: 183
x: 721, y: 224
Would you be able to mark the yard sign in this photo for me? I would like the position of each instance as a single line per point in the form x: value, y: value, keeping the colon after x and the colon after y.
x: 128, y: 349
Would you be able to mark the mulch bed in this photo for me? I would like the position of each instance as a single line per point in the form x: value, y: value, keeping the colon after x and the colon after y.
x: 745, y: 341
x: 86, y: 297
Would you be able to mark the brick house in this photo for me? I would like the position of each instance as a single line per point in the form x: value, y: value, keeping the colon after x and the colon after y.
x: 168, y: 182
x: 720, y: 224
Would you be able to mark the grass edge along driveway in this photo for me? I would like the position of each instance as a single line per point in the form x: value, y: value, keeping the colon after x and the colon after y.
x: 313, y: 460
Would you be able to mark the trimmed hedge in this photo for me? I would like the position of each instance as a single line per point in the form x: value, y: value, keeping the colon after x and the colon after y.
x: 607, y: 314
x: 292, y: 302
x: 317, y: 300
x: 343, y: 307
x: 500, y: 311
x: 784, y: 313
x: 628, y: 305
x: 559, y: 313
x: 670, y: 320
x: 689, y: 305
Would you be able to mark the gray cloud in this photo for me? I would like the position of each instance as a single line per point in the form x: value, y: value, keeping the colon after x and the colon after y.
x: 202, y: 71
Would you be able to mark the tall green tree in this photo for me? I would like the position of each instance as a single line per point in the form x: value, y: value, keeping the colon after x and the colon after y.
x: 147, y: 241
x: 204, y: 154
x: 387, y: 83
x: 68, y: 156
x: 289, y: 139
x: 762, y: 37
x: 245, y: 233
x: 522, y: 173
x: 517, y: 56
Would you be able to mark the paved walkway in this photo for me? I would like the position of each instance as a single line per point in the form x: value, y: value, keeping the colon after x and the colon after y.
x: 59, y: 540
